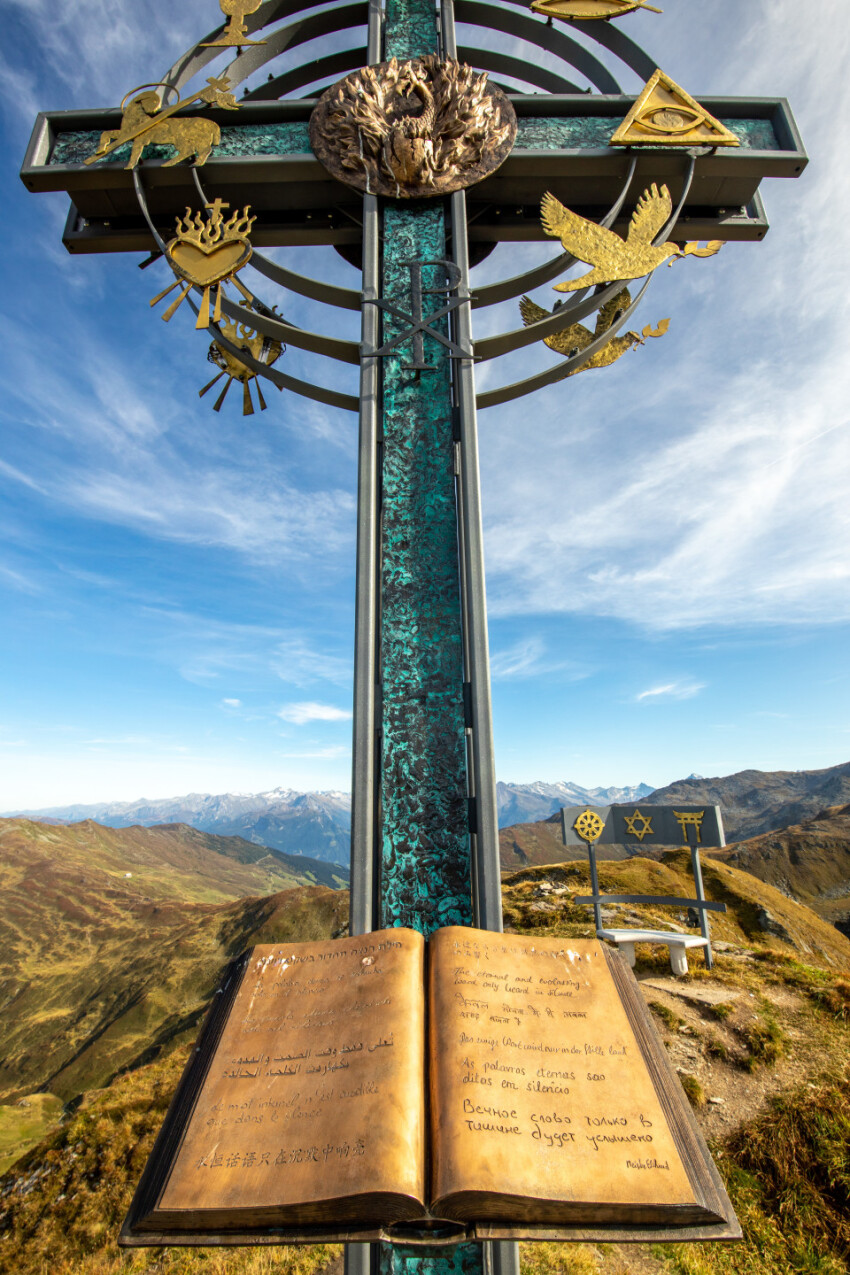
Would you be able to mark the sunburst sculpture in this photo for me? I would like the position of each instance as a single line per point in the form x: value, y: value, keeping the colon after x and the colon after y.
x: 611, y: 257
x: 575, y: 338
x: 263, y: 349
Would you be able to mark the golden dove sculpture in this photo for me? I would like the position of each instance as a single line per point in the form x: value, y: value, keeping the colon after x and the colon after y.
x: 575, y: 338
x: 610, y: 256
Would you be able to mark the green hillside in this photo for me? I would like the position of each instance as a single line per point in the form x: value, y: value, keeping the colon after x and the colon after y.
x: 169, y: 861
x: 539, y: 900
x: 99, y: 971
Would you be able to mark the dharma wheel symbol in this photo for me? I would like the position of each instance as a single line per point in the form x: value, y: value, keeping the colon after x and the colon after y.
x: 589, y: 826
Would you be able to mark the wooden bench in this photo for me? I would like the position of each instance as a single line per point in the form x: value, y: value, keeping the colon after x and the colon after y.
x: 677, y: 943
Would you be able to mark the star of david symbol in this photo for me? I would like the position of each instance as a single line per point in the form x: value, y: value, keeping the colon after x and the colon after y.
x: 589, y: 826
x: 632, y: 828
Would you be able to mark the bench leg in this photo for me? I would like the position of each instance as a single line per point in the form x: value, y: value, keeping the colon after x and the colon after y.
x: 678, y: 959
x: 628, y: 950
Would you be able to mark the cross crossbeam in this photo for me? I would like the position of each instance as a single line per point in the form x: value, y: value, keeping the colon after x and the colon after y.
x: 562, y: 146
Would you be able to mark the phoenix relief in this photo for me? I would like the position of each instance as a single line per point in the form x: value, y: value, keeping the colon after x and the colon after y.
x: 413, y: 129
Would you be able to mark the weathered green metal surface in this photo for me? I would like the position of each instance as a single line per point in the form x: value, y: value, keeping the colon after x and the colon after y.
x: 290, y: 137
x: 462, y: 1259
x: 411, y: 28
x: 425, y: 880
x: 426, y: 871
x: 592, y: 132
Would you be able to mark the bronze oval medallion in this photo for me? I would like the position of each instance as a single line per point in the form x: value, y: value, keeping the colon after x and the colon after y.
x: 413, y: 129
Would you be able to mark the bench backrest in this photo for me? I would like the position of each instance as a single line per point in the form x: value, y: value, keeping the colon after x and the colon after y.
x: 595, y: 825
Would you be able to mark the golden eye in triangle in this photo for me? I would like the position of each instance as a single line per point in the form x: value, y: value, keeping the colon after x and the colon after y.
x: 665, y: 115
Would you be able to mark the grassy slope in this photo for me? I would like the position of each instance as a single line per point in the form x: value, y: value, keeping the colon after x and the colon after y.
x: 93, y: 980
x: 62, y: 1209
x: 26, y: 1122
x: 809, y: 860
x: 99, y: 969
x: 772, y: 1057
x: 171, y: 861
x: 746, y: 898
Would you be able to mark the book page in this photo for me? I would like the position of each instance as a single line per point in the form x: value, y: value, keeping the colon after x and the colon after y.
x: 538, y: 1088
x: 315, y: 1089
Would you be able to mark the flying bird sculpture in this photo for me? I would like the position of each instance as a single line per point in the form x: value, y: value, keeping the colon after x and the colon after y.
x: 610, y: 256
x: 575, y: 338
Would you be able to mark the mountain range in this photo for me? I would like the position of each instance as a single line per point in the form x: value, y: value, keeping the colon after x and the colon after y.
x: 757, y: 801
x: 318, y: 824
x: 307, y: 823
x: 524, y: 803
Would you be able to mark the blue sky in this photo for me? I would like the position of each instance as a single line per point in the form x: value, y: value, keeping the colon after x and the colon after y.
x: 667, y: 539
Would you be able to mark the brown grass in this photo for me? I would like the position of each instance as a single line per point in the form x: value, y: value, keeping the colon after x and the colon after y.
x: 788, y: 1174
x: 63, y: 1204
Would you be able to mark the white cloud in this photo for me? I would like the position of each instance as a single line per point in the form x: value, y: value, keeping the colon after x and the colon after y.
x: 528, y: 658
x: 18, y: 581
x: 671, y: 690
x: 232, y: 703
x: 114, y: 447
x: 703, y: 480
x: 310, y: 711
x: 10, y: 471
x: 295, y: 660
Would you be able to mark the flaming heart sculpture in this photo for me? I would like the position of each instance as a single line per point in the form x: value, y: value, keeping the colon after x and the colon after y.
x: 207, y: 254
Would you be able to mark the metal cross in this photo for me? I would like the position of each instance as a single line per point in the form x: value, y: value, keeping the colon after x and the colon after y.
x: 424, y: 823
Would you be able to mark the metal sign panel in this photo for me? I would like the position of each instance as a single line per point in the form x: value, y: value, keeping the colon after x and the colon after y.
x: 643, y: 825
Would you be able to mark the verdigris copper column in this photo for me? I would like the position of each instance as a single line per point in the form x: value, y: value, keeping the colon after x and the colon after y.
x: 425, y: 852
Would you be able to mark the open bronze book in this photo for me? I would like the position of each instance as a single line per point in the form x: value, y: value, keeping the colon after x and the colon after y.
x: 479, y: 1086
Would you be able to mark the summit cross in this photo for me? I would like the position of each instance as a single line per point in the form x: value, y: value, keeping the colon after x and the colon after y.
x: 424, y: 820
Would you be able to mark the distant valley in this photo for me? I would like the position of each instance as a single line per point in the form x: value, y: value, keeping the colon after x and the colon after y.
x: 111, y: 941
